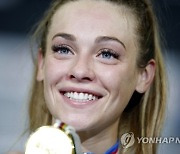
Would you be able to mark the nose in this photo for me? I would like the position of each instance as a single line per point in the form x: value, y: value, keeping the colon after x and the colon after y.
x: 82, y: 70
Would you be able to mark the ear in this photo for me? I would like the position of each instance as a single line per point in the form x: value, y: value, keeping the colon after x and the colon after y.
x: 40, y: 71
x: 146, y: 77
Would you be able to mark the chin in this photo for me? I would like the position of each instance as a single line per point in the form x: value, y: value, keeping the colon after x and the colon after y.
x: 77, y: 123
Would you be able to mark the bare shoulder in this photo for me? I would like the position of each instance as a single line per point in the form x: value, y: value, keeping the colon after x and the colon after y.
x: 15, y: 152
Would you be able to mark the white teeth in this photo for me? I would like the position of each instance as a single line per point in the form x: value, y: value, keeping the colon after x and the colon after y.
x: 82, y: 97
x: 76, y: 95
x: 90, y: 97
x: 85, y: 96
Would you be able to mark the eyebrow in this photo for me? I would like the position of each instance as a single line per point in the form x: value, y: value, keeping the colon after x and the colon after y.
x: 109, y: 38
x: 65, y: 36
x: 99, y: 39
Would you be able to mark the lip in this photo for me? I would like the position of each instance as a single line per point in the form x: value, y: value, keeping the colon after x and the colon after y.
x: 76, y: 104
x: 80, y: 90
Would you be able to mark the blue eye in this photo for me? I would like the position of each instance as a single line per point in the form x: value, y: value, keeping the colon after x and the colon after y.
x: 108, y: 54
x: 61, y: 49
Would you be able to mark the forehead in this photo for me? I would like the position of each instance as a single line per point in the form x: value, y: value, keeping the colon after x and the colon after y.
x: 99, y: 17
x: 89, y: 7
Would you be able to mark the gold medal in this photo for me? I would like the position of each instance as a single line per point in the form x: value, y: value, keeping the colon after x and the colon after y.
x: 57, y: 139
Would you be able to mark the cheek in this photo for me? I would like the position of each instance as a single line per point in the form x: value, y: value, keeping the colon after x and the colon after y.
x: 54, y: 71
x: 116, y: 78
x: 120, y: 83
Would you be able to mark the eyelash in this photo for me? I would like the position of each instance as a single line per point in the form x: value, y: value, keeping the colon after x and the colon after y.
x: 59, y: 48
x: 110, y: 52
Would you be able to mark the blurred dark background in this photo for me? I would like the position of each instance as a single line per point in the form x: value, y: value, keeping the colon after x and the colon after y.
x: 17, y: 18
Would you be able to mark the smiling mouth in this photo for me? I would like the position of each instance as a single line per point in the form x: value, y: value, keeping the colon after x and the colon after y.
x: 80, y: 96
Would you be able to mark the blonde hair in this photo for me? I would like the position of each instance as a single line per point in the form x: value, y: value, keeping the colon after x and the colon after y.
x: 146, y: 116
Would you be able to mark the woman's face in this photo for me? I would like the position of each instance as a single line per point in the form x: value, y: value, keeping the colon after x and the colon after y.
x: 89, y: 71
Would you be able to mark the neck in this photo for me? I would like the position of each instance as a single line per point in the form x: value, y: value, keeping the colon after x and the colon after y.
x: 99, y: 143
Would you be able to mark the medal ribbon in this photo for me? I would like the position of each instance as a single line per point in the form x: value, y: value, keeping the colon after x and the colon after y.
x: 114, y: 149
